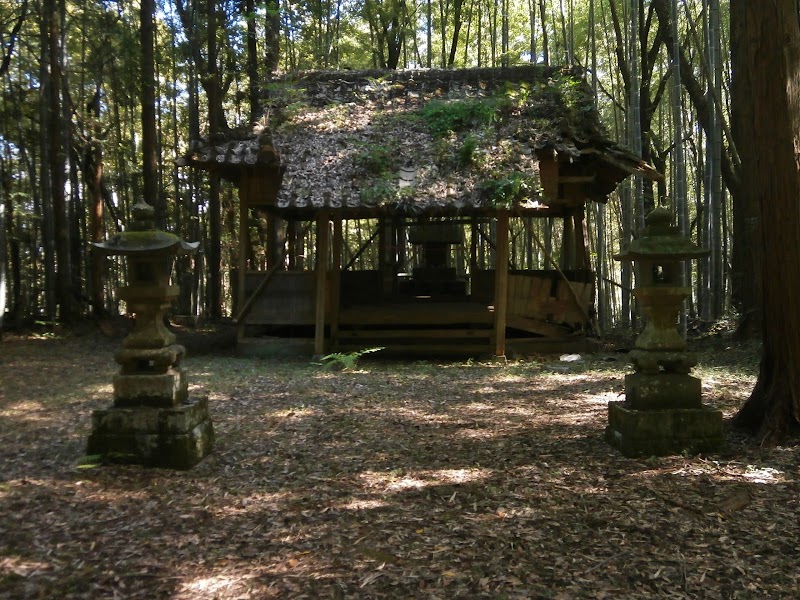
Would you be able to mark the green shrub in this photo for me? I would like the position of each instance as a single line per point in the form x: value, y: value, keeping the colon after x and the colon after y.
x: 507, y: 189
x: 466, y: 153
x: 444, y: 116
x: 375, y: 160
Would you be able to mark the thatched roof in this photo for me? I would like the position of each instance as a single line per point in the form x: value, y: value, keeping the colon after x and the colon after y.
x: 417, y: 141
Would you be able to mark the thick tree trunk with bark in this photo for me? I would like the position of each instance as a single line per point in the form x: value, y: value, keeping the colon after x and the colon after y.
x: 768, y: 112
x: 273, y: 35
x: 745, y: 276
x: 65, y: 293
x: 93, y: 174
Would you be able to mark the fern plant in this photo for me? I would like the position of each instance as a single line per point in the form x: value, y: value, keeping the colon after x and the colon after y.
x: 346, y: 361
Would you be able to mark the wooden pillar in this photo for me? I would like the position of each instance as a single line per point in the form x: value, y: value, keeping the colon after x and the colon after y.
x: 321, y: 282
x: 276, y: 240
x: 291, y: 244
x: 402, y: 251
x: 473, y: 245
x: 582, y: 260
x: 501, y: 286
x: 336, y: 282
x: 568, y: 244
x: 385, y: 262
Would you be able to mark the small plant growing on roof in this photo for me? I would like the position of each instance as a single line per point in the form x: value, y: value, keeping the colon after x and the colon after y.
x: 285, y: 101
x: 444, y: 117
x: 506, y: 190
x: 375, y: 160
x: 466, y: 153
x: 379, y: 193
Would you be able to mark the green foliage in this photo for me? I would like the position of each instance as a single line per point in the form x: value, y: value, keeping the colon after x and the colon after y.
x: 287, y: 101
x: 507, y: 189
x: 346, y: 361
x: 90, y: 461
x: 466, y: 153
x: 517, y: 94
x: 380, y: 192
x: 443, y: 117
x: 375, y: 160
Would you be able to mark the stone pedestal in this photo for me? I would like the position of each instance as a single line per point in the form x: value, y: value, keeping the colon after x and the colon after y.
x: 662, y: 391
x: 662, y: 432
x: 175, y: 438
x: 150, y: 377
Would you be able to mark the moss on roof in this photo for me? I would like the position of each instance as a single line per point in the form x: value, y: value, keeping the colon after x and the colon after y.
x: 420, y: 140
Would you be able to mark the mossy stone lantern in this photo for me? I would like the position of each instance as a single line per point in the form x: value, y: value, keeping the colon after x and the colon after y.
x: 153, y: 421
x: 663, y: 411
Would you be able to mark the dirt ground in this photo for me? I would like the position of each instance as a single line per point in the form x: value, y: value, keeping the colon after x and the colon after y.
x: 415, y: 479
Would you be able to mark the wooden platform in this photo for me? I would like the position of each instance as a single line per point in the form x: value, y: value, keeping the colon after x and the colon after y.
x: 418, y: 312
x: 543, y: 314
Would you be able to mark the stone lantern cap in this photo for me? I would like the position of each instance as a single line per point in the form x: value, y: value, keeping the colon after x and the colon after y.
x: 142, y: 237
x: 660, y: 240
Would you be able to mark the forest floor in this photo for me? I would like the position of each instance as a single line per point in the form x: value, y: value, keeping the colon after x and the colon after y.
x: 416, y: 479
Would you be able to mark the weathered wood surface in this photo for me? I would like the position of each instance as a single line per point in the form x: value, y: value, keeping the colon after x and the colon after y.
x: 549, y: 298
x: 288, y: 298
x: 418, y: 313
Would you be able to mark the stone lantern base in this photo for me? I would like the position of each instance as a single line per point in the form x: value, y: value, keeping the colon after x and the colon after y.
x: 654, y: 432
x: 176, y: 437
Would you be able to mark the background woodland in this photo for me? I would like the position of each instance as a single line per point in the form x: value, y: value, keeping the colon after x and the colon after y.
x: 91, y: 121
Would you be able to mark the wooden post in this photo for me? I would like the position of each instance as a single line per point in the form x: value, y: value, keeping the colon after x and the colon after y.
x: 473, y: 245
x: 568, y: 245
x: 321, y: 281
x: 402, y: 254
x: 501, y: 286
x: 291, y: 244
x: 581, y: 240
x: 384, y: 250
x: 336, y: 282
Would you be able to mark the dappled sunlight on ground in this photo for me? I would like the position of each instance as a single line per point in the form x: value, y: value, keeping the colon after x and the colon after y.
x: 361, y: 504
x: 417, y: 480
x: 423, y: 479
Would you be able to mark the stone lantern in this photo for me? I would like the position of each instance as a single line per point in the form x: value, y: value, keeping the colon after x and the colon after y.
x: 663, y: 411
x: 152, y: 420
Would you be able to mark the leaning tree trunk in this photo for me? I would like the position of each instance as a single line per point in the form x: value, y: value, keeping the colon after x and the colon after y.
x: 766, y: 103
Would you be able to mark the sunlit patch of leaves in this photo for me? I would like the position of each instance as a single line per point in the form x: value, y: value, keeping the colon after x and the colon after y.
x: 412, y: 479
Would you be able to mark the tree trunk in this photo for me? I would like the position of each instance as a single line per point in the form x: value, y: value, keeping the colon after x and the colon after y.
x: 214, y: 265
x: 93, y: 175
x: 273, y: 35
x: 679, y: 201
x: 46, y: 183
x: 149, y: 153
x: 457, y: 22
x: 745, y: 274
x: 5, y: 201
x: 766, y: 104
x: 252, y: 61
x: 545, y: 44
x: 716, y: 194
x: 65, y: 294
